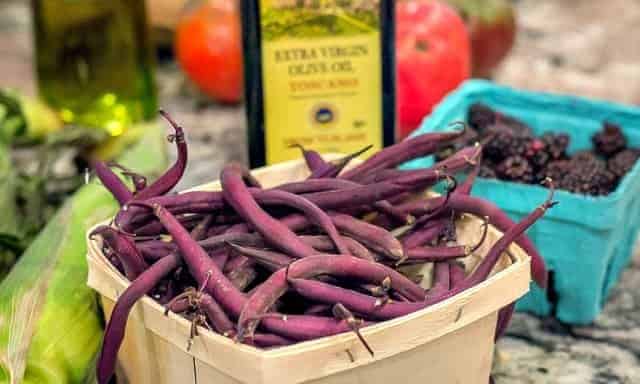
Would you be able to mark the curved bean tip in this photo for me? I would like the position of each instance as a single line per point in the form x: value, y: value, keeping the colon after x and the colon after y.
x: 297, y: 145
x: 114, y: 164
x: 206, y: 282
x: 167, y: 307
x: 489, y: 136
x: 286, y: 272
x: 178, y: 134
x: 401, y: 231
x: 485, y: 231
x: 398, y: 253
x: 232, y: 245
x: 342, y: 313
x: 242, y: 333
x: 166, y: 238
x: 464, y: 125
x: 452, y: 183
x: 98, y: 231
x: 401, y: 260
x: 469, y: 160
x: 549, y: 203
x: 361, y: 151
x: 440, y: 208
x: 103, y: 228
x: 473, y: 160
x: 347, y: 159
x: 136, y: 203
x: 128, y: 234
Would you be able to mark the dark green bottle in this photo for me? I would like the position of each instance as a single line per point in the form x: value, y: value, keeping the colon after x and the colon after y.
x: 94, y: 61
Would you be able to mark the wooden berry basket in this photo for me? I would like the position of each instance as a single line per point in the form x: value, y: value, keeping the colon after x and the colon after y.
x: 450, y: 342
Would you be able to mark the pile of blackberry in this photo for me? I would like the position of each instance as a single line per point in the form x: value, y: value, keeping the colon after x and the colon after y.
x: 512, y: 152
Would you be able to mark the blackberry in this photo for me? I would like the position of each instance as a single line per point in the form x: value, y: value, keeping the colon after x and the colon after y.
x: 514, y: 125
x: 502, y: 127
x: 609, y: 141
x: 604, y: 182
x: 519, y: 146
x: 537, y: 154
x: 596, y: 184
x: 469, y: 137
x: 501, y: 145
x: 555, y: 170
x: 486, y: 121
x: 622, y: 162
x: 535, y: 145
x: 487, y: 172
x: 480, y: 116
x: 587, y: 161
x: 539, y: 160
x: 588, y: 175
x: 494, y: 145
x: 556, y: 144
x: 515, y: 168
x: 575, y: 183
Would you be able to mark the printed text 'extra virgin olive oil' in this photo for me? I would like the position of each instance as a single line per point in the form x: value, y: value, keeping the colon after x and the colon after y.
x: 319, y: 73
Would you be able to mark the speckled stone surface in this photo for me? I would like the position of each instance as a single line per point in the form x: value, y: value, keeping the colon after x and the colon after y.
x: 584, y: 47
x: 541, y: 351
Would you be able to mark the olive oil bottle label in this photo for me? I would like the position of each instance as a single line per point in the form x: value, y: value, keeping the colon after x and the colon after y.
x: 321, y: 71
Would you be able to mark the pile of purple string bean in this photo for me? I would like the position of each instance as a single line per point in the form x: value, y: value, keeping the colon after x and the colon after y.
x: 270, y: 267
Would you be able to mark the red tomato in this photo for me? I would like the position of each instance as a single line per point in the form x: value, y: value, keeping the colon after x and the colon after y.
x: 209, y: 49
x: 433, y: 57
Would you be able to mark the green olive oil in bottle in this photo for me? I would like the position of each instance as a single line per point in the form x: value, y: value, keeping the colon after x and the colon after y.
x: 319, y: 73
x: 94, y: 61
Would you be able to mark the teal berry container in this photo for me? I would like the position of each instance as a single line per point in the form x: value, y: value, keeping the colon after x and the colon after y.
x: 586, y: 241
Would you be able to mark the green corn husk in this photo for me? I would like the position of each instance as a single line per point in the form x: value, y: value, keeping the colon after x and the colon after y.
x: 25, y: 119
x: 9, y: 228
x: 50, y: 326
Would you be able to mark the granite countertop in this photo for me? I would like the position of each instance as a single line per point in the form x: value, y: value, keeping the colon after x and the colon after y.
x: 573, y: 46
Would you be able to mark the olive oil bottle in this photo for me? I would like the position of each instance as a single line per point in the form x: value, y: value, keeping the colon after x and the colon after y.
x: 94, y: 61
x: 319, y: 73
